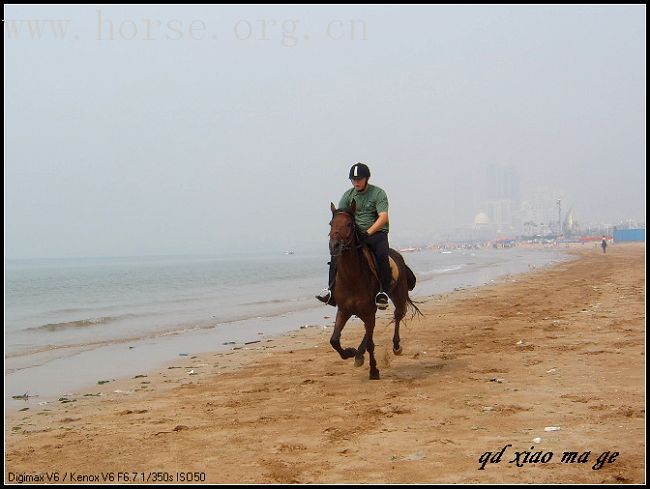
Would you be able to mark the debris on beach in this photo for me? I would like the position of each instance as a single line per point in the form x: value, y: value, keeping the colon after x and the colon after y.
x: 228, y: 343
x: 64, y: 400
x: 100, y: 382
x: 22, y: 397
x: 552, y: 428
x: 419, y: 455
x: 537, y: 440
x: 141, y: 376
x: 183, y: 354
x: 251, y: 342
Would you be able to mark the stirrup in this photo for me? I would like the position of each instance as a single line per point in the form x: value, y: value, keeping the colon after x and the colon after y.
x: 381, y: 305
x: 325, y: 297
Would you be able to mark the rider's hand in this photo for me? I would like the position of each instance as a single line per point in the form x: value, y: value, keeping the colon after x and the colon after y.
x: 363, y: 236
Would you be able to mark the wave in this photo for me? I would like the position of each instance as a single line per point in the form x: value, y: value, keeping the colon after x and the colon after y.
x: 80, y: 323
x: 453, y: 268
x: 270, y: 301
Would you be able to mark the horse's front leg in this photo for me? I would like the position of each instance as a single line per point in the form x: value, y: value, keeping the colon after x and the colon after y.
x: 369, y: 322
x: 335, y: 340
x: 358, y: 358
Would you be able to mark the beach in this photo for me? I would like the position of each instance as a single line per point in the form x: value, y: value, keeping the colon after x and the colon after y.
x: 495, y: 385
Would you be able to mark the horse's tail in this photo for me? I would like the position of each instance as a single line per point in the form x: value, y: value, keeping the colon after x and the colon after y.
x: 415, y: 311
x: 410, y: 281
x: 410, y: 278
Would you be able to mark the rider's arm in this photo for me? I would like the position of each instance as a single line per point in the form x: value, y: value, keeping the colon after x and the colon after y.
x: 379, y: 223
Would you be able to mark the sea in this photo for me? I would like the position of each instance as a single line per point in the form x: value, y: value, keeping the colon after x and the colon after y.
x: 70, y: 323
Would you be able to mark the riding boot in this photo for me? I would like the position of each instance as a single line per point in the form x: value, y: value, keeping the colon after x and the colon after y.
x: 381, y: 299
x: 385, y: 275
x: 327, y: 295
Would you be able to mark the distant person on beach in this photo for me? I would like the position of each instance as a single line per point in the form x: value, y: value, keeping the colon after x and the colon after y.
x: 604, y: 244
x: 371, y: 219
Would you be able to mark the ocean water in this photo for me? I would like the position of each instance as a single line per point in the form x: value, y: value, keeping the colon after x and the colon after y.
x: 70, y: 322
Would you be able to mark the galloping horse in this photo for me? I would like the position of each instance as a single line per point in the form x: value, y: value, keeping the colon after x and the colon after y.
x: 356, y: 287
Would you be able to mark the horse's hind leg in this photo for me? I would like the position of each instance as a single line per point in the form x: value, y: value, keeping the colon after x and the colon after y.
x: 335, y: 340
x: 400, y: 312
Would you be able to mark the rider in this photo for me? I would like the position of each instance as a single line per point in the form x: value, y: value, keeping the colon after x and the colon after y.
x: 371, y: 218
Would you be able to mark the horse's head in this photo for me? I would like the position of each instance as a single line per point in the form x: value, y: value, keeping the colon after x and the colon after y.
x: 342, y: 232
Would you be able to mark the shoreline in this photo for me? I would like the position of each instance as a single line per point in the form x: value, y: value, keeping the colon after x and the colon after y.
x: 458, y: 372
x: 52, y: 373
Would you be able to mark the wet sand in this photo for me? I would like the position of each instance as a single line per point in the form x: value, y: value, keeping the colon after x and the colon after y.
x: 485, y: 369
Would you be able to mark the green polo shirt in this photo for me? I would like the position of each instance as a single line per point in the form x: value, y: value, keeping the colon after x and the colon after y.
x: 370, y: 203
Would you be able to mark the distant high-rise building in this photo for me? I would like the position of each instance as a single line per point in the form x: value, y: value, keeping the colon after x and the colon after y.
x: 503, y: 184
x: 503, y: 196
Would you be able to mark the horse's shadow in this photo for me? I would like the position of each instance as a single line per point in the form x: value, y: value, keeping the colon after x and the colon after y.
x: 421, y: 368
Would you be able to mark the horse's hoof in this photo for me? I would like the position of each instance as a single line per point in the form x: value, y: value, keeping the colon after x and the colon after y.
x: 349, y: 353
x: 397, y: 351
x: 358, y: 361
x: 374, y: 375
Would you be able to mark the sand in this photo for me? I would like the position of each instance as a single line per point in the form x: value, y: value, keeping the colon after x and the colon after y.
x: 486, y: 370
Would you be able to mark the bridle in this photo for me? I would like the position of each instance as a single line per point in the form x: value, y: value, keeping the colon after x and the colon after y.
x: 348, y: 243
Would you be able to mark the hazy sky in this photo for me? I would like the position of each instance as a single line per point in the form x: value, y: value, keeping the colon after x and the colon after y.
x: 155, y: 130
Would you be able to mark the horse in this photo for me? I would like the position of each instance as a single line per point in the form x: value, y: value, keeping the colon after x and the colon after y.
x: 356, y: 285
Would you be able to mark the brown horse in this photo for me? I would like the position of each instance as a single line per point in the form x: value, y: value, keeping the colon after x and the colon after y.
x: 356, y: 287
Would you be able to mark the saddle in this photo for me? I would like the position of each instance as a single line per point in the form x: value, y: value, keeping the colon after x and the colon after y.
x: 394, y: 268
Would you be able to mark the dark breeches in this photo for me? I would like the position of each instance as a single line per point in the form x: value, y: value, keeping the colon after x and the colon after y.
x: 378, y: 243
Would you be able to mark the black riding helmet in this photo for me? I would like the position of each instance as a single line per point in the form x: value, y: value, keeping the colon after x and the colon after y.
x: 359, y: 170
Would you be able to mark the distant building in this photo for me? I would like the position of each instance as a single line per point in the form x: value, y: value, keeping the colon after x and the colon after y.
x: 481, y: 219
x: 503, y: 197
x: 539, y: 212
x: 625, y: 235
x: 570, y: 226
x: 482, y: 228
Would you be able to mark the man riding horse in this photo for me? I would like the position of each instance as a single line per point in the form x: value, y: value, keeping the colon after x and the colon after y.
x: 371, y: 218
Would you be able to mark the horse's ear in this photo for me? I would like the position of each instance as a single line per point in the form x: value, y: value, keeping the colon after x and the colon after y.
x: 332, y: 207
x: 353, y: 206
